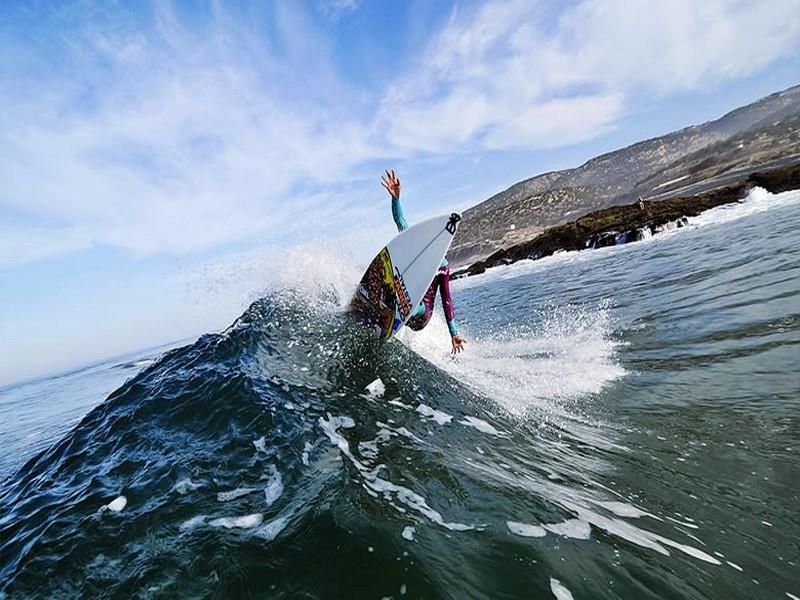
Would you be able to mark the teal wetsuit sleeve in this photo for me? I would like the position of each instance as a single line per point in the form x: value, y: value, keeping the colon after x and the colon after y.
x: 397, y: 214
x: 447, y: 301
x: 451, y: 325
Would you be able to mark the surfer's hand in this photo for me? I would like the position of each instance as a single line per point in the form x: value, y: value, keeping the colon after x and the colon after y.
x: 391, y: 183
x: 458, y: 343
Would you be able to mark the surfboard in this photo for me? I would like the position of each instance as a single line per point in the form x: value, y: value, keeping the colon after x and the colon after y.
x: 398, y: 277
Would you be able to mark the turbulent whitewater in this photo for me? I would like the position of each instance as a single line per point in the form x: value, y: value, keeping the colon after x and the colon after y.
x: 624, y: 424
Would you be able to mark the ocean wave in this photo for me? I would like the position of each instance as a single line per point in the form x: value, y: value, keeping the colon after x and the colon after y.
x: 294, y: 445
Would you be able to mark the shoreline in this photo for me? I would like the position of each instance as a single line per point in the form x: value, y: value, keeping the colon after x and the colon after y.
x: 630, y: 223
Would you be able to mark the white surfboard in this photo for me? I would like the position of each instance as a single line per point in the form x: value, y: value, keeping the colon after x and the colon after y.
x: 399, y: 276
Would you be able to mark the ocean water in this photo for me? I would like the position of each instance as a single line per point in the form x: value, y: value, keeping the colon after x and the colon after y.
x: 625, y: 423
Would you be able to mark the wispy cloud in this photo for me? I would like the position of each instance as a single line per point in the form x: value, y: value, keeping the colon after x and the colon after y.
x: 152, y: 135
x: 176, y: 140
x: 512, y: 74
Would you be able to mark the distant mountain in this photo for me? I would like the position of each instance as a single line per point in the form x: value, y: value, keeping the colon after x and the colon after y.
x: 692, y: 159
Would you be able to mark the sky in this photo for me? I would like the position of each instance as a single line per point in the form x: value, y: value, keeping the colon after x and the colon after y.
x: 162, y: 164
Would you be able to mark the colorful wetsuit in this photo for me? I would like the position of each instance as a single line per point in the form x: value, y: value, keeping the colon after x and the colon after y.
x: 421, y: 315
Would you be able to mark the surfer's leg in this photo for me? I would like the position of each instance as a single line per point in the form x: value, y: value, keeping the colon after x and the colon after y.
x: 421, y: 315
x: 418, y: 312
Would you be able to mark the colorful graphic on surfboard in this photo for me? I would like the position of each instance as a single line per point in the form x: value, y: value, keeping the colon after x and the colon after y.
x: 398, y: 277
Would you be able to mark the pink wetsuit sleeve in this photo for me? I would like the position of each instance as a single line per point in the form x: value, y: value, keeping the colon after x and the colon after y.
x: 447, y: 301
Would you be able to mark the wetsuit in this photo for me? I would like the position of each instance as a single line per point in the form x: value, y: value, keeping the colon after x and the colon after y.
x: 421, y: 315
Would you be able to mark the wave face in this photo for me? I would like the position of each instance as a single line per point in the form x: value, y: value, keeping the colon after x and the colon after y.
x: 620, y: 426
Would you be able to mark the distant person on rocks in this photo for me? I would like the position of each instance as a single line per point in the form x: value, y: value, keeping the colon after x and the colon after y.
x: 421, y: 315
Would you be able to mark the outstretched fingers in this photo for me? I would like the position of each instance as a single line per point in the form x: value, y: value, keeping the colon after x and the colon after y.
x: 458, y: 344
x: 391, y: 183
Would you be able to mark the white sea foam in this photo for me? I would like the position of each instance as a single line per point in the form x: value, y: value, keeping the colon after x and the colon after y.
x: 260, y: 444
x: 682, y: 523
x: 314, y: 269
x: 186, y: 485
x: 376, y: 388
x: 274, y: 487
x: 621, y: 509
x: 116, y: 505
x: 376, y: 484
x: 270, y: 530
x: 234, y: 494
x: 480, y: 425
x: 559, y: 591
x: 193, y: 522
x: 400, y: 404
x: 525, y: 530
x: 331, y: 427
x: 387, y: 431
x: 571, y: 528
x: 757, y: 201
x: 408, y: 533
x: 245, y: 522
x: 368, y: 449
x: 686, y: 549
x: 442, y: 418
x: 578, y: 501
x: 636, y: 535
x: 411, y: 499
x: 734, y: 565
x: 569, y: 355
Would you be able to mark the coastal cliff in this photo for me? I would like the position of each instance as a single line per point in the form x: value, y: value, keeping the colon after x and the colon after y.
x: 636, y: 221
x: 686, y: 168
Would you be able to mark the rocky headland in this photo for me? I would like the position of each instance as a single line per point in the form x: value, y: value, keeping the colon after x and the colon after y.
x: 620, y: 196
x: 636, y: 221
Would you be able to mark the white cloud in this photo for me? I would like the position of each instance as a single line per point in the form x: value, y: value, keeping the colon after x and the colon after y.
x: 172, y: 143
x: 177, y: 140
x: 510, y: 74
x: 20, y: 244
x: 557, y: 122
x: 678, y: 45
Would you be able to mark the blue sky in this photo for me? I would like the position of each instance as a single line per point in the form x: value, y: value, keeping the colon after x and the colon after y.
x: 163, y: 163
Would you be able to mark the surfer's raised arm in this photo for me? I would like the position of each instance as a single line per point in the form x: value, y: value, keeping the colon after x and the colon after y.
x: 421, y: 315
x: 392, y: 185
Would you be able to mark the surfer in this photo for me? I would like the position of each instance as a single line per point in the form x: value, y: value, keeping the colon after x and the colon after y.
x: 421, y: 315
